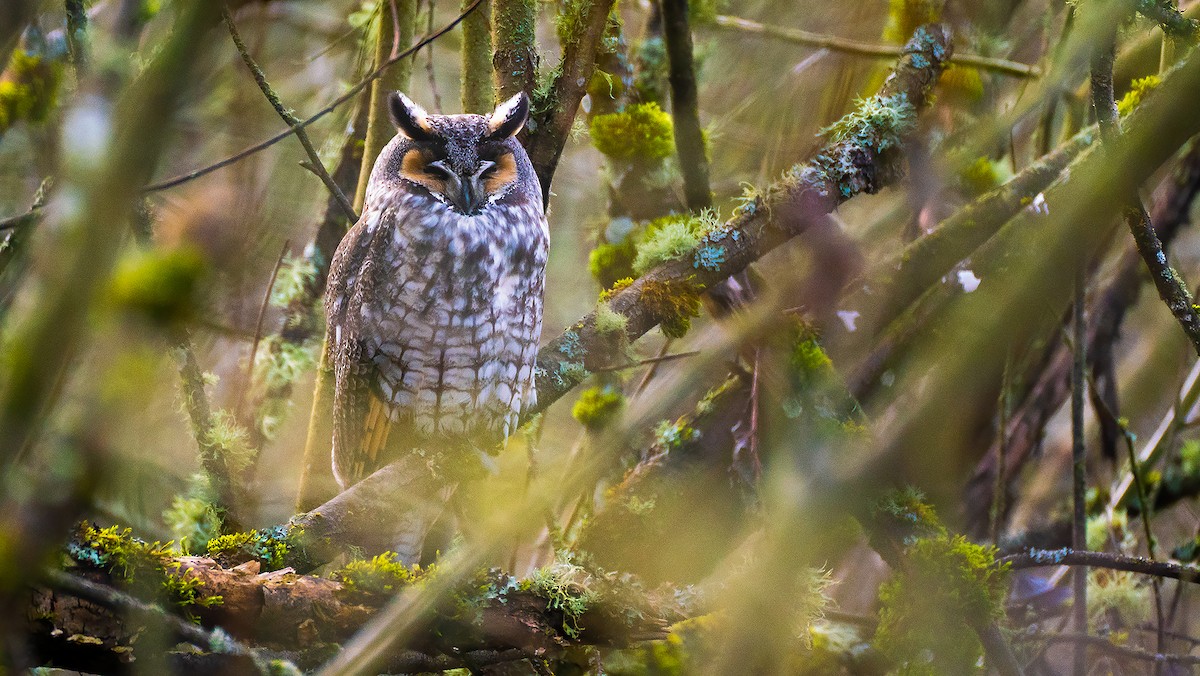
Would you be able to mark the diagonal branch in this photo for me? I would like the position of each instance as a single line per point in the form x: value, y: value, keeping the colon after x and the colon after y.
x: 333, y: 105
x: 317, y: 166
x: 872, y: 50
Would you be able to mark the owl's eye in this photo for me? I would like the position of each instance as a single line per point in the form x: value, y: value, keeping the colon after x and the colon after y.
x: 437, y: 170
x: 487, y: 170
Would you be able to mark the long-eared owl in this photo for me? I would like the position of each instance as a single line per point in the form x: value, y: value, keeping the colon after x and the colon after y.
x: 434, y: 303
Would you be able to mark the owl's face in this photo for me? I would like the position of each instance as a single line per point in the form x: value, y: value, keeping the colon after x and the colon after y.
x: 467, y: 162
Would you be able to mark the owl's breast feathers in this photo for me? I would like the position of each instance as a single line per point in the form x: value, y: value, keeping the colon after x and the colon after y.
x: 434, y: 321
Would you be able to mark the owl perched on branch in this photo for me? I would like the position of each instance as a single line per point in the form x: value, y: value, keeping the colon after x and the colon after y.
x: 434, y: 303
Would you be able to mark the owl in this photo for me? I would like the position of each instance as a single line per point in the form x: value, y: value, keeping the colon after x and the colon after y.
x: 434, y: 302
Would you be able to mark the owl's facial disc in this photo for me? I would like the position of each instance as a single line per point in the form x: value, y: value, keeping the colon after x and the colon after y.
x: 467, y: 192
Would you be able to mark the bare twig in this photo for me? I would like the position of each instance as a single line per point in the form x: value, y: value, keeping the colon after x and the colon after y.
x: 333, y: 105
x: 1038, y: 558
x: 878, y: 51
x: 314, y: 159
x: 1106, y: 644
x: 258, y: 329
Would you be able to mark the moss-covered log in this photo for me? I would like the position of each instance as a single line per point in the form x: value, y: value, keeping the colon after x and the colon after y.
x: 304, y: 617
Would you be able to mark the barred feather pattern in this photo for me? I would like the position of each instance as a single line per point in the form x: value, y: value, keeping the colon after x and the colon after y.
x: 434, y: 319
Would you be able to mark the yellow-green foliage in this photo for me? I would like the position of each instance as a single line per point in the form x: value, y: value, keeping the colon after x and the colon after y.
x: 961, y: 84
x: 948, y: 585
x: 567, y: 588
x: 904, y: 16
x: 609, y: 320
x: 681, y: 652
x: 980, y: 176
x: 160, y: 285
x: 146, y: 568
x: 672, y: 303
x: 382, y: 575
x: 28, y: 89
x: 1116, y: 599
x: 597, y: 406
x: 641, y: 131
x: 609, y: 262
x: 616, y: 287
x: 1138, y: 90
x: 295, y: 275
x: 666, y: 239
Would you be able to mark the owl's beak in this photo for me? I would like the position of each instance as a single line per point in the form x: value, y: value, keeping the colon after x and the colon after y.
x: 466, y: 194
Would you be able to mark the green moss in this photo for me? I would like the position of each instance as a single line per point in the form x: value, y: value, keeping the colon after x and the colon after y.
x: 616, y: 287
x: 1138, y: 90
x: 382, y: 575
x: 907, y: 511
x: 230, y: 440
x: 598, y: 406
x: 29, y: 89
x: 160, y: 285
x: 669, y: 240
x: 146, y: 568
x: 673, y: 303
x: 609, y: 320
x: 194, y: 521
x: 673, y: 434
x: 611, y: 262
x: 1117, y: 600
x: 296, y: 275
x: 570, y: 22
x: 642, y: 130
x: 926, y: 615
x: 980, y: 176
x: 269, y: 547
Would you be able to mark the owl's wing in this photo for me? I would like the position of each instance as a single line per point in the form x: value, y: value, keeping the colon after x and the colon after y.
x: 360, y: 417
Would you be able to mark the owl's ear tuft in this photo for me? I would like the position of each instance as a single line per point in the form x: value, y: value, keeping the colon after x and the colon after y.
x: 509, y: 117
x: 409, y: 118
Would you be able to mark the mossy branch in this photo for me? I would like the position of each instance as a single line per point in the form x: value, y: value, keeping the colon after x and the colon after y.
x: 584, y: 23
x: 514, y: 25
x: 863, y: 157
x: 478, y: 93
x: 306, y: 617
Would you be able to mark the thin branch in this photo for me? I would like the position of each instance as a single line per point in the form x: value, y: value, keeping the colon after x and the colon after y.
x: 258, y: 330
x: 685, y: 105
x: 1079, y: 465
x: 333, y: 105
x: 650, y: 360
x: 315, y: 163
x: 877, y: 51
x: 1106, y: 645
x: 200, y: 413
x: 1174, y: 24
x: 1039, y: 558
